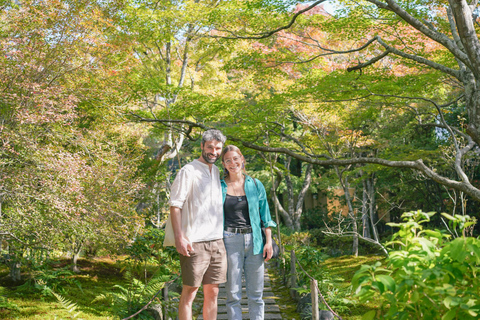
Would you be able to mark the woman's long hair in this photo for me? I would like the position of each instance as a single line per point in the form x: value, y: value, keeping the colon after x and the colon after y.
x: 228, y: 148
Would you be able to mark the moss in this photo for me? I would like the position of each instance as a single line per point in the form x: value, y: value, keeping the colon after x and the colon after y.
x: 287, y: 305
x: 343, y: 267
x: 98, y: 276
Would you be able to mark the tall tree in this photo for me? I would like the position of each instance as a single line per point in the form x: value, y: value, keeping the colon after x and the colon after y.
x: 418, y: 56
x: 55, y: 159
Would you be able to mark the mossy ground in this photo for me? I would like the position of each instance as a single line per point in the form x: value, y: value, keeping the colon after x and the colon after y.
x: 339, y: 267
x: 98, y: 276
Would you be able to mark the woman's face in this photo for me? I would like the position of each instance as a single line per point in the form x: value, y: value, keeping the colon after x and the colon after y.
x: 233, y: 162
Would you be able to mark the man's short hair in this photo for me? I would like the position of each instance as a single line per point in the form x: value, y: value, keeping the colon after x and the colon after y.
x: 213, y: 134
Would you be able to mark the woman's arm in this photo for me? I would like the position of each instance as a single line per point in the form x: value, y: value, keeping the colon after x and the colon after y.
x: 267, y: 248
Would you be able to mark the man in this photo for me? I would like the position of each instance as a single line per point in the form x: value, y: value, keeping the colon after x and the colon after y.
x: 196, y: 216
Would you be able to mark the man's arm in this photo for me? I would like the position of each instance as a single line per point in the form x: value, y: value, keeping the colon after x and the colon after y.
x: 184, y: 247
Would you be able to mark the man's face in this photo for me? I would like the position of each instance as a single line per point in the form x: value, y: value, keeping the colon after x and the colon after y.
x: 211, y: 151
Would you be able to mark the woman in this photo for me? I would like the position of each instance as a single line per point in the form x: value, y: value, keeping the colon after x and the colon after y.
x: 244, y: 207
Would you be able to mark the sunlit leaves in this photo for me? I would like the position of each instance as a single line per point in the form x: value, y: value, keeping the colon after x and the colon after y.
x: 426, y: 274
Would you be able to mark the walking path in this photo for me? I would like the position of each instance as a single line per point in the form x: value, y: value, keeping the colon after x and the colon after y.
x: 272, y: 311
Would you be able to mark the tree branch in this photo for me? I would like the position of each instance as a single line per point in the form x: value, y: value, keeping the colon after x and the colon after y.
x: 437, y: 66
x: 369, y: 62
x: 416, y: 165
x: 434, y: 35
x: 267, y: 34
x: 467, y: 33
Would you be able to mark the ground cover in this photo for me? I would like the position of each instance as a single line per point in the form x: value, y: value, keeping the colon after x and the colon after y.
x: 98, y: 276
x: 335, y: 286
x: 344, y: 268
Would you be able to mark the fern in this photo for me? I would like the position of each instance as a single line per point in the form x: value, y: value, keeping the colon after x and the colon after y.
x: 127, y: 300
x: 68, y: 305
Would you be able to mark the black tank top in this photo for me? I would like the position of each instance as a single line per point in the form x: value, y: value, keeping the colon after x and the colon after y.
x: 236, y: 212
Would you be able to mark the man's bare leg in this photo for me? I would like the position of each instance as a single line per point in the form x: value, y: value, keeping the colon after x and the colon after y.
x: 210, y: 294
x: 186, y: 302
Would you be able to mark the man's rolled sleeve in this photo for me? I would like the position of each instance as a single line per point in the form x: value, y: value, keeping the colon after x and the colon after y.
x: 180, y: 189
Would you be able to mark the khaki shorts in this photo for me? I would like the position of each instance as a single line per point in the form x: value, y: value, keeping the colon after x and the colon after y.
x: 206, y: 265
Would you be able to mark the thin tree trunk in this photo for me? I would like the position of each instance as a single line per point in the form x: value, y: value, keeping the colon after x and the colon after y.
x: 76, y: 254
x: 365, y: 210
x: 373, y: 206
x: 301, y: 196
x: 15, y: 265
x: 290, y: 194
x: 351, y: 212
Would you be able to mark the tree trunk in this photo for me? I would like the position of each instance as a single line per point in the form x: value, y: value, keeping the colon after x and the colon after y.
x: 15, y: 264
x: 297, y: 215
x: 351, y: 212
x: 373, y: 207
x: 77, y: 248
x: 15, y: 271
x: 290, y: 192
x: 365, y: 207
x: 292, y: 215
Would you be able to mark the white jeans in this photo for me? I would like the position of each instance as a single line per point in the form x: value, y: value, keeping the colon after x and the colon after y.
x: 241, y: 260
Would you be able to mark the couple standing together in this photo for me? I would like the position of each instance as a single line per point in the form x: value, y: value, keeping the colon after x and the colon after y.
x: 216, y: 226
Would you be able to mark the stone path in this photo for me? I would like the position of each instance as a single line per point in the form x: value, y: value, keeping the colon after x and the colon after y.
x: 272, y: 311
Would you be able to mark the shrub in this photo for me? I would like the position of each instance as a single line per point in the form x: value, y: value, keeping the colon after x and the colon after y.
x: 44, y: 279
x: 428, y: 276
x: 315, y: 218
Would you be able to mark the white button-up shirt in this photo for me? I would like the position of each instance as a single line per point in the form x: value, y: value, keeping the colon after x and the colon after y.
x: 197, y: 191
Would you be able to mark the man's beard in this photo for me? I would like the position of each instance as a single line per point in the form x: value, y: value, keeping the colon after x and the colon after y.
x: 207, y: 159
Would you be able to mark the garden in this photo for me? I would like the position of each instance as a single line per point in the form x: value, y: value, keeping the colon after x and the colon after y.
x: 360, y: 118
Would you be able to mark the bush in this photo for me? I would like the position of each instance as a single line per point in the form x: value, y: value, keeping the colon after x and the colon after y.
x: 315, y: 218
x: 428, y: 276
x: 44, y: 278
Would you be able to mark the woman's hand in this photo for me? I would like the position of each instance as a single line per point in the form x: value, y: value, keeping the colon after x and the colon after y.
x: 267, y: 248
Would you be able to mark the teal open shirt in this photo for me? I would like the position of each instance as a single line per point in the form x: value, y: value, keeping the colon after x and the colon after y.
x: 257, y: 209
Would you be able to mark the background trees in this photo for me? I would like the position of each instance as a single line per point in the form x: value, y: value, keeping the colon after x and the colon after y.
x: 380, y: 84
x: 95, y: 93
x: 67, y: 164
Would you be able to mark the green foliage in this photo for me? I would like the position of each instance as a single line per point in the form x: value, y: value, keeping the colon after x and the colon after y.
x: 312, y: 260
x: 4, y: 301
x: 98, y: 277
x: 426, y: 273
x: 147, y: 245
x: 45, y: 280
x: 148, y: 249
x: 69, y: 306
x: 126, y: 300
x: 315, y: 218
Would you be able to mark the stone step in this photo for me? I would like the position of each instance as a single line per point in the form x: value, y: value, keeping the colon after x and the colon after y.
x: 268, y: 316
x: 244, y: 301
x: 272, y: 310
x: 269, y: 308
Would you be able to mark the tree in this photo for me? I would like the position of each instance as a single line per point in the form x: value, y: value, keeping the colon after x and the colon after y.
x: 292, y: 214
x: 402, y: 33
x: 55, y: 159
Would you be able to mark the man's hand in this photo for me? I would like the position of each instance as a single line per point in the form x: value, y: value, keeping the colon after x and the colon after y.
x: 184, y: 247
